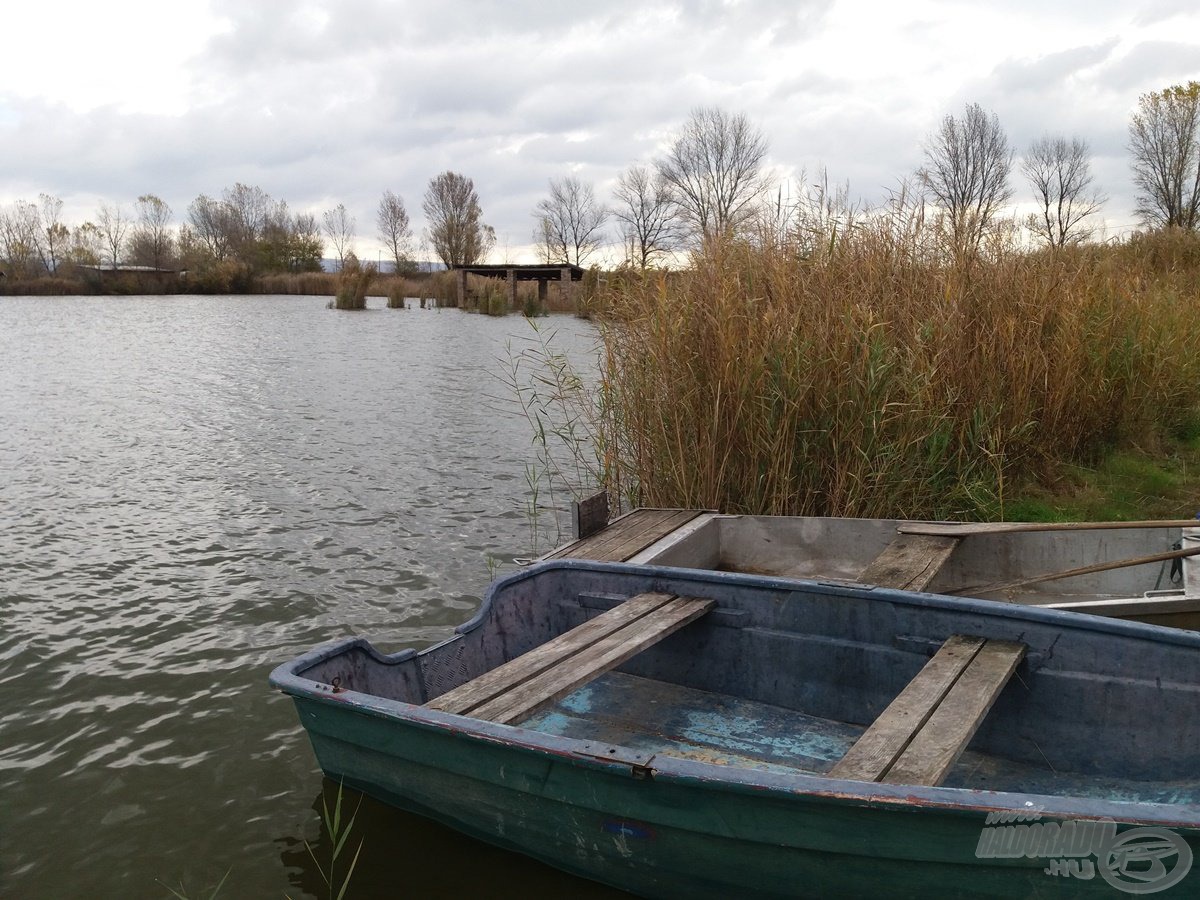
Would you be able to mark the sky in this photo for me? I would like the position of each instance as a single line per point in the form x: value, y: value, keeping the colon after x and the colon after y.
x: 320, y: 102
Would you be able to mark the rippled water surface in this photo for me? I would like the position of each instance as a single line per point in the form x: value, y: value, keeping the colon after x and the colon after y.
x: 193, y: 490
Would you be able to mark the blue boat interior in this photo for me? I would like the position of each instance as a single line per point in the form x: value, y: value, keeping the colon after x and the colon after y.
x: 785, y: 676
x: 654, y: 717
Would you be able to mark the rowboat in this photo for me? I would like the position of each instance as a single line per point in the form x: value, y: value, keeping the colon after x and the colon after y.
x: 677, y: 732
x: 1145, y: 571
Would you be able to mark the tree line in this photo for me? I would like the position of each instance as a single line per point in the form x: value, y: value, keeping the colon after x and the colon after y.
x: 243, y: 230
x: 711, y: 181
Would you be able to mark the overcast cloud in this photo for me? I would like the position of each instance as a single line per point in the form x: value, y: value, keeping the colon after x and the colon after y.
x: 322, y: 102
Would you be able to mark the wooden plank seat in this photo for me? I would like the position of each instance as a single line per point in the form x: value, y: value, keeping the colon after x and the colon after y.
x: 910, y: 562
x: 518, y: 688
x: 921, y: 734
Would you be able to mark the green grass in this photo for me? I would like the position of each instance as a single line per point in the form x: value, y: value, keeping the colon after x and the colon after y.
x: 182, y: 893
x: 1128, y: 484
x: 339, y: 830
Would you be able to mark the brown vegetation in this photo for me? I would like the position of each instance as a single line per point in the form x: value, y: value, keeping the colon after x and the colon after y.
x: 871, y: 378
x: 353, y: 282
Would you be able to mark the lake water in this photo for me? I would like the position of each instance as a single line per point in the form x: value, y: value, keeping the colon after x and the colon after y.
x: 193, y: 490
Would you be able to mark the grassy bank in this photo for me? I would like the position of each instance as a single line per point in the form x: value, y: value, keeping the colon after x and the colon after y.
x: 869, y: 377
x: 1128, y: 483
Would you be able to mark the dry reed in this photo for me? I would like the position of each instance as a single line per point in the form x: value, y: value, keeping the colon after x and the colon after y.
x: 320, y: 284
x: 861, y: 375
x: 353, y: 283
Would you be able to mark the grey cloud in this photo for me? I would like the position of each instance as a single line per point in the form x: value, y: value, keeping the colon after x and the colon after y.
x: 871, y: 150
x: 1081, y: 91
x: 1161, y: 10
x: 1153, y: 65
x: 320, y: 103
x: 1048, y: 72
x: 1086, y: 93
x: 276, y: 31
x: 808, y: 83
x: 783, y: 18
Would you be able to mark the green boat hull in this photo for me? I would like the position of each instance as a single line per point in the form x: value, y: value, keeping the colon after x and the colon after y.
x: 703, y: 767
x: 681, y: 835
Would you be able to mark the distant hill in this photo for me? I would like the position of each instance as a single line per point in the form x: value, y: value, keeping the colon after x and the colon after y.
x: 385, y: 265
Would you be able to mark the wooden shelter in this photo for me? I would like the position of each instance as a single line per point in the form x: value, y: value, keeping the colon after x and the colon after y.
x: 542, y: 274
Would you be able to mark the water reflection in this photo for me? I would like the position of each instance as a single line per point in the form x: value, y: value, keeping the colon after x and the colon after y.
x: 193, y: 490
x: 405, y: 855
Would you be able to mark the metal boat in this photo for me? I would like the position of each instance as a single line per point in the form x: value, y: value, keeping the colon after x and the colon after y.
x: 681, y: 732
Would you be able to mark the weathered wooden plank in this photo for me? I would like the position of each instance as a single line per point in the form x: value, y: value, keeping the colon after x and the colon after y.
x: 590, y: 515
x: 910, y: 562
x: 627, y: 536
x: 600, y: 545
x: 607, y: 653
x: 937, y: 746
x: 963, y: 529
x: 627, y: 543
x: 507, y: 676
x: 628, y: 540
x: 673, y: 522
x: 881, y: 744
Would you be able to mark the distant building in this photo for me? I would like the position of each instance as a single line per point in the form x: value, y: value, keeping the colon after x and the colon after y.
x: 151, y: 278
x: 142, y: 270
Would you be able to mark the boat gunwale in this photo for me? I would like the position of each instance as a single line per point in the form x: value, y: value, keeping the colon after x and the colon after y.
x: 715, y: 776
x: 1033, y: 613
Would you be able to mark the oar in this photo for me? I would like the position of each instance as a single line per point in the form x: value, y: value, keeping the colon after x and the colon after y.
x: 1084, y: 570
x: 963, y: 529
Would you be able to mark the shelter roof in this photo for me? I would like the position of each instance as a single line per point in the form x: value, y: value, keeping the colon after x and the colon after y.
x: 525, y: 272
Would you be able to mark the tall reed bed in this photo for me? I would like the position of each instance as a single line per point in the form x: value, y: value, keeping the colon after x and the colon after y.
x: 48, y: 286
x: 305, y: 283
x: 353, y: 283
x: 861, y: 375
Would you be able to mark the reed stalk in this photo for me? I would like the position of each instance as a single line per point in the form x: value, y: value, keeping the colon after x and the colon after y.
x: 353, y: 282
x: 861, y: 373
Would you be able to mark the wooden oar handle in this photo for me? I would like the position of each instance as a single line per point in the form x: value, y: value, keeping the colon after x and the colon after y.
x: 1084, y: 570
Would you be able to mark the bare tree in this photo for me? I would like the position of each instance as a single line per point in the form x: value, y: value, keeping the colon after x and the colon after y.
x: 571, y: 221
x: 453, y: 215
x: 543, y: 240
x: 152, y: 244
x: 249, y: 208
x: 715, y: 170
x: 55, y: 235
x: 339, y: 228
x: 273, y: 250
x: 307, y: 247
x: 113, y: 224
x: 647, y: 214
x: 20, y: 238
x: 968, y: 161
x: 86, y: 247
x: 1164, y: 141
x: 1060, y: 174
x: 212, y: 225
x: 395, y: 230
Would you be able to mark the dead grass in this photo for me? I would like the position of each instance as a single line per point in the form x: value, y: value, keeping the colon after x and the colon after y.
x: 318, y: 284
x: 868, y: 377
